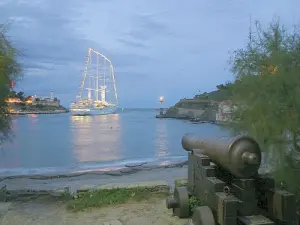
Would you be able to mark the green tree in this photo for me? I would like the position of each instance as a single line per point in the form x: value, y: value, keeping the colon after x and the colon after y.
x: 266, y: 91
x: 10, y: 70
x: 223, y: 92
x: 13, y: 94
x: 20, y: 95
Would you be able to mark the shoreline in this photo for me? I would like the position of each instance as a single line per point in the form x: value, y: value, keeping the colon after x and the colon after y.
x: 58, y: 111
x: 113, y: 171
x: 15, y: 187
x: 190, y: 119
x: 72, y: 182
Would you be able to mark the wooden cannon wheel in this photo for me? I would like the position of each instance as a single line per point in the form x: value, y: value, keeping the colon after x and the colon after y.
x: 181, y: 200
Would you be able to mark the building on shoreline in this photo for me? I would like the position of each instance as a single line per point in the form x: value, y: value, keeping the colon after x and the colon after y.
x: 13, y: 100
x: 32, y: 103
x: 46, y: 101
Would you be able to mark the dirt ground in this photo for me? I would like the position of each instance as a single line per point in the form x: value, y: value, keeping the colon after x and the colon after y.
x: 37, y: 212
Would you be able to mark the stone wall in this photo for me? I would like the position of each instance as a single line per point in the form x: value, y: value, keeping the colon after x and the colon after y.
x: 193, y: 109
x: 191, y: 113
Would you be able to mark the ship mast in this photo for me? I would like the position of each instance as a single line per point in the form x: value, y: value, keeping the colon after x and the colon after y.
x: 86, y: 66
x: 97, y: 80
x: 112, y: 72
x: 114, y: 82
x: 96, y: 89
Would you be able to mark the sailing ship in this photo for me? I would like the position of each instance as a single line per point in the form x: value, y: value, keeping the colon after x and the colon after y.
x: 97, y: 93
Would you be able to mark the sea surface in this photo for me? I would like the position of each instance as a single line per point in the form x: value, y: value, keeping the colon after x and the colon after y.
x: 61, y: 143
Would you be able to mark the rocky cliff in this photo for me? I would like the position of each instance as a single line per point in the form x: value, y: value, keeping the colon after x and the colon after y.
x: 195, y: 109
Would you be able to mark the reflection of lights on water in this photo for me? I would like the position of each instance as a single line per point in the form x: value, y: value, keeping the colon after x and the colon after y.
x: 34, y: 118
x: 162, y: 139
x: 81, y: 118
x: 96, y: 138
x: 14, y: 123
x: 165, y: 163
x: 33, y: 115
x: 115, y: 115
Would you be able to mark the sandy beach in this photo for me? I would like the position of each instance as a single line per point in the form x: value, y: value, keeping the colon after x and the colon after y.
x: 42, y: 212
x: 150, y: 212
x: 76, y: 181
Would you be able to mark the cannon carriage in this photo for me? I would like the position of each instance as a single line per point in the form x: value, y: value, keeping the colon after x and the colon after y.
x: 223, y: 176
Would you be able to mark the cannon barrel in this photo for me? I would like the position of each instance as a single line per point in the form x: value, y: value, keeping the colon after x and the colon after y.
x: 241, y: 155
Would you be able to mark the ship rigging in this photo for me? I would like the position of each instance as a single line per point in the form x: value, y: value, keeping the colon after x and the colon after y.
x: 97, y: 92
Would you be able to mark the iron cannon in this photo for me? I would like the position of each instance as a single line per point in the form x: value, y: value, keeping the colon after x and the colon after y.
x: 241, y: 155
x: 223, y: 177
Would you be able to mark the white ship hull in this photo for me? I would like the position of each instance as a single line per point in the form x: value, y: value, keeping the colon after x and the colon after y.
x: 92, y: 111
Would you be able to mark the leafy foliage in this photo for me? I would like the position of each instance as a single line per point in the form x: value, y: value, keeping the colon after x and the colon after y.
x: 10, y: 70
x: 223, y: 92
x: 266, y: 94
x: 194, y: 203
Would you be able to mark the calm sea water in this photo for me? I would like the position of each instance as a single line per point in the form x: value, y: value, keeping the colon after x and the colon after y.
x: 64, y: 143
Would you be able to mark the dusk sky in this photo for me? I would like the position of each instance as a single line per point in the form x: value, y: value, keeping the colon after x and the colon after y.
x: 158, y: 47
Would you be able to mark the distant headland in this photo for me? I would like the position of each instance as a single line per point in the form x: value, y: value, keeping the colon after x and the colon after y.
x: 211, y: 107
x: 20, y: 104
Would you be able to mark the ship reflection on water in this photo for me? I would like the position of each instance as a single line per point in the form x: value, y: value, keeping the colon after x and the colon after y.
x: 96, y: 138
x: 161, y: 141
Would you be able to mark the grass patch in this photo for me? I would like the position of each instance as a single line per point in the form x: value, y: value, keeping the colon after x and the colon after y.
x: 104, y: 197
x: 65, y: 196
x: 194, y: 203
x: 180, y: 182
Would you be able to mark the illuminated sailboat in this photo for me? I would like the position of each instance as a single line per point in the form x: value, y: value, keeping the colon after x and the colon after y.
x: 97, y: 92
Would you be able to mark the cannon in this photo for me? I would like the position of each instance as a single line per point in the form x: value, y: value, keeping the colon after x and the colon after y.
x: 223, y: 176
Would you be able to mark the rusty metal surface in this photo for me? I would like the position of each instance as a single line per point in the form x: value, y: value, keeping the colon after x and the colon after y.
x: 223, y: 176
x: 241, y: 155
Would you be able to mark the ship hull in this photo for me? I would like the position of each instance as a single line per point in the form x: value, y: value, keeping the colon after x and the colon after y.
x: 93, y: 111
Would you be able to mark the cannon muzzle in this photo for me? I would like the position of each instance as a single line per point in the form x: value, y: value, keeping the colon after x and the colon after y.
x: 241, y: 155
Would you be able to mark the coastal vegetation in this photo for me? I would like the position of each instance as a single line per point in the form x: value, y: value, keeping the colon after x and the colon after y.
x: 10, y: 72
x: 223, y: 92
x: 19, y: 103
x: 264, y: 95
x: 103, y: 197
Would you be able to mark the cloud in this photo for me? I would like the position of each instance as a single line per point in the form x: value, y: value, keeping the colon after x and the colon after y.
x: 30, y: 66
x: 158, y: 47
x: 133, y: 43
x: 146, y: 27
